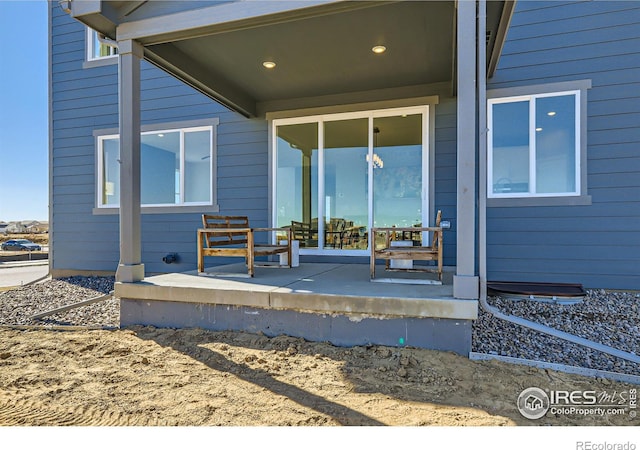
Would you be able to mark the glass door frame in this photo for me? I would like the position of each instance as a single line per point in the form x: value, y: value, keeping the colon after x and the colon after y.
x: 320, y: 119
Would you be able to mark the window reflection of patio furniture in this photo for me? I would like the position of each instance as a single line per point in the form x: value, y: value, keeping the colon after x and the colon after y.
x: 344, y: 234
x: 305, y: 233
x: 503, y: 185
x: 231, y: 236
x: 334, y: 232
x: 385, y: 250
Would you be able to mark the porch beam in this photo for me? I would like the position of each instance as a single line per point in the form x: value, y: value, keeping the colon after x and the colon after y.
x: 130, y: 267
x: 169, y: 57
x: 230, y: 17
x: 465, y: 281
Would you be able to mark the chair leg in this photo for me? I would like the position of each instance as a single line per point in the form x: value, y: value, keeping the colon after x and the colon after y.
x: 372, y: 262
x: 250, y: 255
x: 200, y: 257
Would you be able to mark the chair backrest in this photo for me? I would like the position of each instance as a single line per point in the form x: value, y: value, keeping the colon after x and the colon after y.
x: 225, y: 222
x: 434, y: 239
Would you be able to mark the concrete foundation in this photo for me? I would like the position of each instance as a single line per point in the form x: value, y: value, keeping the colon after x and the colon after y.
x: 338, y: 329
x: 336, y: 303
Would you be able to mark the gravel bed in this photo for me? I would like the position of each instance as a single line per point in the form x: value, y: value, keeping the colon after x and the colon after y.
x: 17, y: 306
x: 610, y: 318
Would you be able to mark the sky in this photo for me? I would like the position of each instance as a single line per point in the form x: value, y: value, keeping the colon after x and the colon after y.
x: 24, y: 124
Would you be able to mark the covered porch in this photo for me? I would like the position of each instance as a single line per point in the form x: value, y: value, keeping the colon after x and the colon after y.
x: 282, y: 61
x: 317, y: 301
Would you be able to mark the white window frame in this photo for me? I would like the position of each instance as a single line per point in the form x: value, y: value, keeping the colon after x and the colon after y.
x: 181, y: 207
x: 583, y: 198
x: 321, y: 119
x: 531, y: 99
x: 91, y: 38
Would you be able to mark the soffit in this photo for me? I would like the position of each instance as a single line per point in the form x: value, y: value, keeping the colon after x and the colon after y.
x: 330, y: 54
x: 320, y: 50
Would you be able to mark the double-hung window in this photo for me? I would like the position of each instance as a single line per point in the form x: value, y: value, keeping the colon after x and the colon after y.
x: 177, y: 168
x: 534, y: 145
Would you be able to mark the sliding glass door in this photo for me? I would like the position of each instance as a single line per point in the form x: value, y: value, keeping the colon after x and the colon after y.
x: 346, y: 191
x: 336, y: 176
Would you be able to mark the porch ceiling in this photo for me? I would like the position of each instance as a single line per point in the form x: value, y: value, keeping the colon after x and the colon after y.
x: 320, y: 47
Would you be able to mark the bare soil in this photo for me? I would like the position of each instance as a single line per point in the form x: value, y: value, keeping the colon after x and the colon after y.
x: 154, y: 377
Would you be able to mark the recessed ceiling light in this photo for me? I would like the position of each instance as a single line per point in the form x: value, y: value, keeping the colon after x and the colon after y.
x: 538, y: 129
x: 551, y: 113
x: 269, y: 64
x: 160, y: 135
x: 379, y: 49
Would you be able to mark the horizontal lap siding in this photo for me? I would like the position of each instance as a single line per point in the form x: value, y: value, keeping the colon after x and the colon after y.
x: 85, y: 100
x: 597, y: 245
x: 445, y: 173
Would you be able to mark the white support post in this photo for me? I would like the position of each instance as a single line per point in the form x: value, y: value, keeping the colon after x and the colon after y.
x: 465, y: 281
x: 130, y: 268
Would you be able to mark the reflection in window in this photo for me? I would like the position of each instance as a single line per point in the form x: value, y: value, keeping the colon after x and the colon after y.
x: 345, y: 184
x: 110, y: 186
x: 556, y: 144
x: 397, y: 184
x: 297, y: 181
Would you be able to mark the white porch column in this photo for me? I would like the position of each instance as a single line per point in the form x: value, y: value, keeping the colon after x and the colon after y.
x: 465, y: 281
x: 130, y: 268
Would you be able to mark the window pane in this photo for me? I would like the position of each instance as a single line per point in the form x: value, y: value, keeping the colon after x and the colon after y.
x: 510, y: 126
x: 110, y: 171
x: 98, y: 49
x: 197, y: 166
x: 159, y: 161
x: 556, y: 144
x: 297, y: 181
x: 346, y: 184
x: 397, y: 171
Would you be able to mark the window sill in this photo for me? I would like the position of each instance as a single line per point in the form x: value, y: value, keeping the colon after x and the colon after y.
x: 161, y: 210
x: 108, y: 61
x: 580, y: 200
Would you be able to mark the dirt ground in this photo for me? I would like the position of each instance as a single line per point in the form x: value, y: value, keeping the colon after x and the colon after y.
x: 164, y: 377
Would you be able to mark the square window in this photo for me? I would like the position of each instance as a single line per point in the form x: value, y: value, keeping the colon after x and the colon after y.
x: 97, y: 49
x: 176, y: 168
x: 534, y: 146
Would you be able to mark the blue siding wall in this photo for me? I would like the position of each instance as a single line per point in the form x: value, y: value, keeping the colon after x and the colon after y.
x: 86, y: 99
x: 445, y: 173
x: 597, y: 245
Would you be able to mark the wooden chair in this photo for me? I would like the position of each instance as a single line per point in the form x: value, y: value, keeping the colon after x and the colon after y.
x: 388, y: 252
x: 232, y: 236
